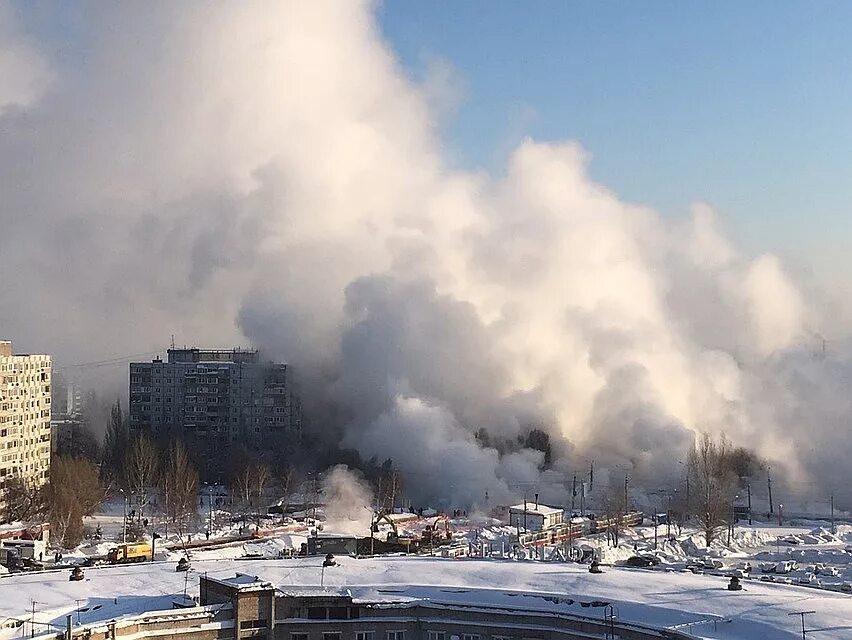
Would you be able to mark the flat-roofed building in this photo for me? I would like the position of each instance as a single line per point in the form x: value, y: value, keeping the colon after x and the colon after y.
x: 24, y: 419
x: 228, y: 395
x: 534, y: 516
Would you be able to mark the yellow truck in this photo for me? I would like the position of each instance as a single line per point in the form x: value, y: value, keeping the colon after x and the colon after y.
x: 138, y: 552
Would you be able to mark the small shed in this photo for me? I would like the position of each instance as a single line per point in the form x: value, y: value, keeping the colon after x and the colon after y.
x: 535, y: 516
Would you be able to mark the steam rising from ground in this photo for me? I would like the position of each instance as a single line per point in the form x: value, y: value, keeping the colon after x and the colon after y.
x: 267, y: 171
x: 348, y: 500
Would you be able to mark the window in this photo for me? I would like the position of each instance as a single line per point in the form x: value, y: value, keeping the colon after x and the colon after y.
x: 331, y: 635
x: 365, y: 635
x: 470, y: 636
x: 253, y: 624
x: 298, y: 636
x: 501, y: 638
x: 437, y: 635
x: 396, y: 635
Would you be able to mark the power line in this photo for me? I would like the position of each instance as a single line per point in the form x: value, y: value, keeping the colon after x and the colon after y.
x: 109, y: 361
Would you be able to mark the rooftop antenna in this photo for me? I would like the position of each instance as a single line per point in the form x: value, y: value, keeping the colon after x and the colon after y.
x: 173, y: 341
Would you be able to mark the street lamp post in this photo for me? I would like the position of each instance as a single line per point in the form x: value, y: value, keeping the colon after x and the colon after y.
x: 124, y: 523
x: 656, y: 521
x: 731, y: 524
x: 209, y: 511
x: 686, y: 475
x: 669, y: 517
x: 372, y: 533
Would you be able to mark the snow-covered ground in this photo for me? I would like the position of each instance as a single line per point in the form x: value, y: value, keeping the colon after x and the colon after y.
x: 668, y: 595
x: 665, y: 598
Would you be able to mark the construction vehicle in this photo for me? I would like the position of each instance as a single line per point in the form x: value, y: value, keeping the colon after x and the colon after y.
x: 394, y: 541
x: 432, y: 534
x: 124, y: 553
x: 11, y: 559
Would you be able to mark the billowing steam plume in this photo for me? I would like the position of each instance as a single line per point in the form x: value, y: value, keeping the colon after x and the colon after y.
x: 348, y: 501
x: 233, y: 171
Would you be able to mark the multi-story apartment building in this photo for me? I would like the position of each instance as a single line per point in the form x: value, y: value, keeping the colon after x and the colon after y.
x: 229, y: 395
x: 24, y: 418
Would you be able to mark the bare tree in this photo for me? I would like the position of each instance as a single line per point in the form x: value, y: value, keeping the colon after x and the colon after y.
x: 250, y: 485
x: 143, y: 462
x: 74, y: 491
x: 179, y: 483
x: 25, y: 500
x: 285, y: 482
x: 388, y: 486
x: 713, y: 481
x: 615, y: 508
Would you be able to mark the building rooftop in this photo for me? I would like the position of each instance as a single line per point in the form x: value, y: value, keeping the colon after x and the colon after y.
x: 536, y: 509
x: 212, y: 355
x: 243, y: 582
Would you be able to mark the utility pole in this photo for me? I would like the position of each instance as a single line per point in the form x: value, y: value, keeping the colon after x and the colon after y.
x: 209, y: 511
x: 124, y: 524
x: 655, y: 530
x: 625, y: 494
x: 748, y: 488
x: 769, y: 486
x: 32, y: 622
x: 833, y: 528
x: 731, y: 523
x: 669, y: 517
x: 802, y: 614
x: 573, y: 492
x: 582, y: 499
x: 525, y: 515
x: 592, y: 476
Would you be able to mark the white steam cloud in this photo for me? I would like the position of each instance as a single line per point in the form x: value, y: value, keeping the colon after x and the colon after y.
x: 348, y: 501
x: 267, y: 171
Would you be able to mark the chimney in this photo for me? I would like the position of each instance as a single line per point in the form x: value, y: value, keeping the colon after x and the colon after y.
x: 536, y: 501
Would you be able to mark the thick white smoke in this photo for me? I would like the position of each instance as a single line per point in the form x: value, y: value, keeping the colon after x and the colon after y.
x: 223, y: 171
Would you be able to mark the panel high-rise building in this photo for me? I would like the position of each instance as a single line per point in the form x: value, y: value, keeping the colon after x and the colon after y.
x: 230, y: 395
x: 24, y: 418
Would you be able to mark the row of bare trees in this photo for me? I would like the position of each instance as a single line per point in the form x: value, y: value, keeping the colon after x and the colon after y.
x: 716, y: 470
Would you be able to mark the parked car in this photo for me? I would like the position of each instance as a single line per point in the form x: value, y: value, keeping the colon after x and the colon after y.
x: 642, y: 561
x: 786, y: 566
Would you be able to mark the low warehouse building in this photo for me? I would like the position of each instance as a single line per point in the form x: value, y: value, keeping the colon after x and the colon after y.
x: 534, y: 516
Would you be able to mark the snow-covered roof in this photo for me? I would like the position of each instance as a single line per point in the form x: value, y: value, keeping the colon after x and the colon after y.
x: 539, y: 510
x: 243, y: 582
x: 314, y: 590
x: 402, y: 517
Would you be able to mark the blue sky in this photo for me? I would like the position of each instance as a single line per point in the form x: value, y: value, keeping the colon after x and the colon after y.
x: 745, y: 105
